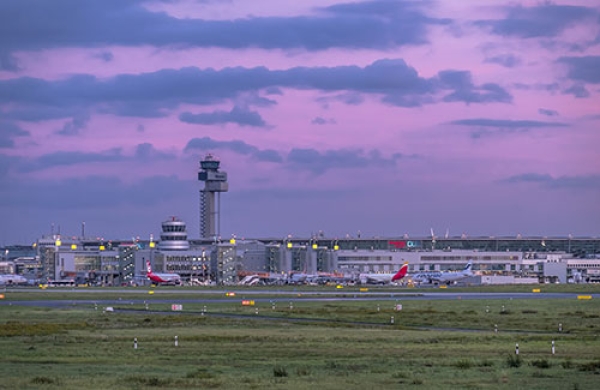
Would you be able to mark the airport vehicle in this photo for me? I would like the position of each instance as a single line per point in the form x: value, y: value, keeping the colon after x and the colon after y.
x: 385, y: 278
x: 61, y: 283
x: 447, y: 277
x: 11, y: 279
x: 164, y: 279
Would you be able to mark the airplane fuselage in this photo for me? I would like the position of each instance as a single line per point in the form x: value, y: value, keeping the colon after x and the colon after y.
x: 170, y: 279
x: 10, y: 279
x: 442, y: 277
x: 385, y: 278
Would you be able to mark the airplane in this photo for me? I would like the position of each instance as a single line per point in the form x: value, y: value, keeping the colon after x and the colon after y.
x: 447, y: 277
x: 295, y: 277
x: 385, y: 278
x: 11, y: 279
x: 168, y: 279
x: 250, y: 280
x: 299, y: 277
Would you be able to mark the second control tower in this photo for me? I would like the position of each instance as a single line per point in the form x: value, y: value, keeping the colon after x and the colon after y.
x: 215, y: 182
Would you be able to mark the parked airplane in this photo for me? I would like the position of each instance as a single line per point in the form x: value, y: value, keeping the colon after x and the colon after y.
x: 10, y: 279
x: 300, y: 278
x: 169, y: 279
x: 385, y: 278
x: 250, y: 280
x: 447, y: 277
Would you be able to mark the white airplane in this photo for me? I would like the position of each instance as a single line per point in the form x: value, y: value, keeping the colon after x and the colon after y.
x: 385, y: 278
x: 250, y: 280
x: 446, y: 277
x: 10, y: 279
x: 169, y: 279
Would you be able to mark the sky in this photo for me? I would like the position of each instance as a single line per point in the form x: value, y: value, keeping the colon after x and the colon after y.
x: 373, y: 118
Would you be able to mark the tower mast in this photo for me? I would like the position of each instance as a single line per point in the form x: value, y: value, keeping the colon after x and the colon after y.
x: 215, y: 182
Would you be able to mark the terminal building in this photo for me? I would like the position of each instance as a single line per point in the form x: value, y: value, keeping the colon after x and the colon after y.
x: 495, y: 259
x: 209, y: 259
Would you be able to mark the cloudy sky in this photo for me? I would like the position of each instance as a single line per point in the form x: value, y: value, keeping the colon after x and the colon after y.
x: 380, y: 117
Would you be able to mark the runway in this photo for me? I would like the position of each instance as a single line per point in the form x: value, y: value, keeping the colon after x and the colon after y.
x: 275, y: 296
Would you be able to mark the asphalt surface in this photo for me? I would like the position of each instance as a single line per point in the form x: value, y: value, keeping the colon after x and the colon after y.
x: 274, y: 296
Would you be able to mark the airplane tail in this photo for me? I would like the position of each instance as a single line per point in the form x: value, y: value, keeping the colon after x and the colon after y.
x: 401, y: 273
x: 148, y: 267
x: 468, y: 270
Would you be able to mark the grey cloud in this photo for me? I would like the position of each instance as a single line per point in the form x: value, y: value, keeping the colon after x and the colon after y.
x: 237, y: 115
x: 465, y: 91
x: 273, y: 91
x: 68, y: 23
x: 411, y: 101
x: 8, y: 131
x: 350, y: 98
x: 8, y: 62
x: 318, y: 162
x: 299, y: 159
x: 493, y: 127
x: 577, y: 90
x: 150, y: 94
x: 268, y: 155
x: 105, y: 56
x: 563, y: 182
x: 545, y: 20
x: 507, y: 123
x: 37, y: 113
x: 207, y: 144
x: 139, y: 109
x: 143, y: 153
x: 506, y: 60
x: 401, y: 17
x: 485, y: 93
x: 584, y: 69
x: 322, y: 121
x: 386, y: 77
x: 254, y: 99
x: 147, y: 152
x: 554, y: 44
x: 547, y: 112
x: 73, y: 91
x: 74, y: 126
x: 62, y: 158
x: 553, y: 87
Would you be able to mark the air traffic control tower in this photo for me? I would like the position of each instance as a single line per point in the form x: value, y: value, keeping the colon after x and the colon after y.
x: 215, y: 182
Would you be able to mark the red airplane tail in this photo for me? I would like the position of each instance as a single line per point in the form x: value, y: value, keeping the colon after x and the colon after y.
x: 401, y: 273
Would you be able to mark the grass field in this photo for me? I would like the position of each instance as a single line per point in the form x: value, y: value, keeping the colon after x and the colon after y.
x: 340, y: 344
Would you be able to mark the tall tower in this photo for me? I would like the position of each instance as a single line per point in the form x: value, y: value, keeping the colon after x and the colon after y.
x: 215, y: 182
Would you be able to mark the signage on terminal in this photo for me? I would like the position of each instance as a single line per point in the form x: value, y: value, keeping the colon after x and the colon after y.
x: 401, y: 244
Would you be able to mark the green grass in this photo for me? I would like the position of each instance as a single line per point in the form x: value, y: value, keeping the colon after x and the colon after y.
x: 77, y: 346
